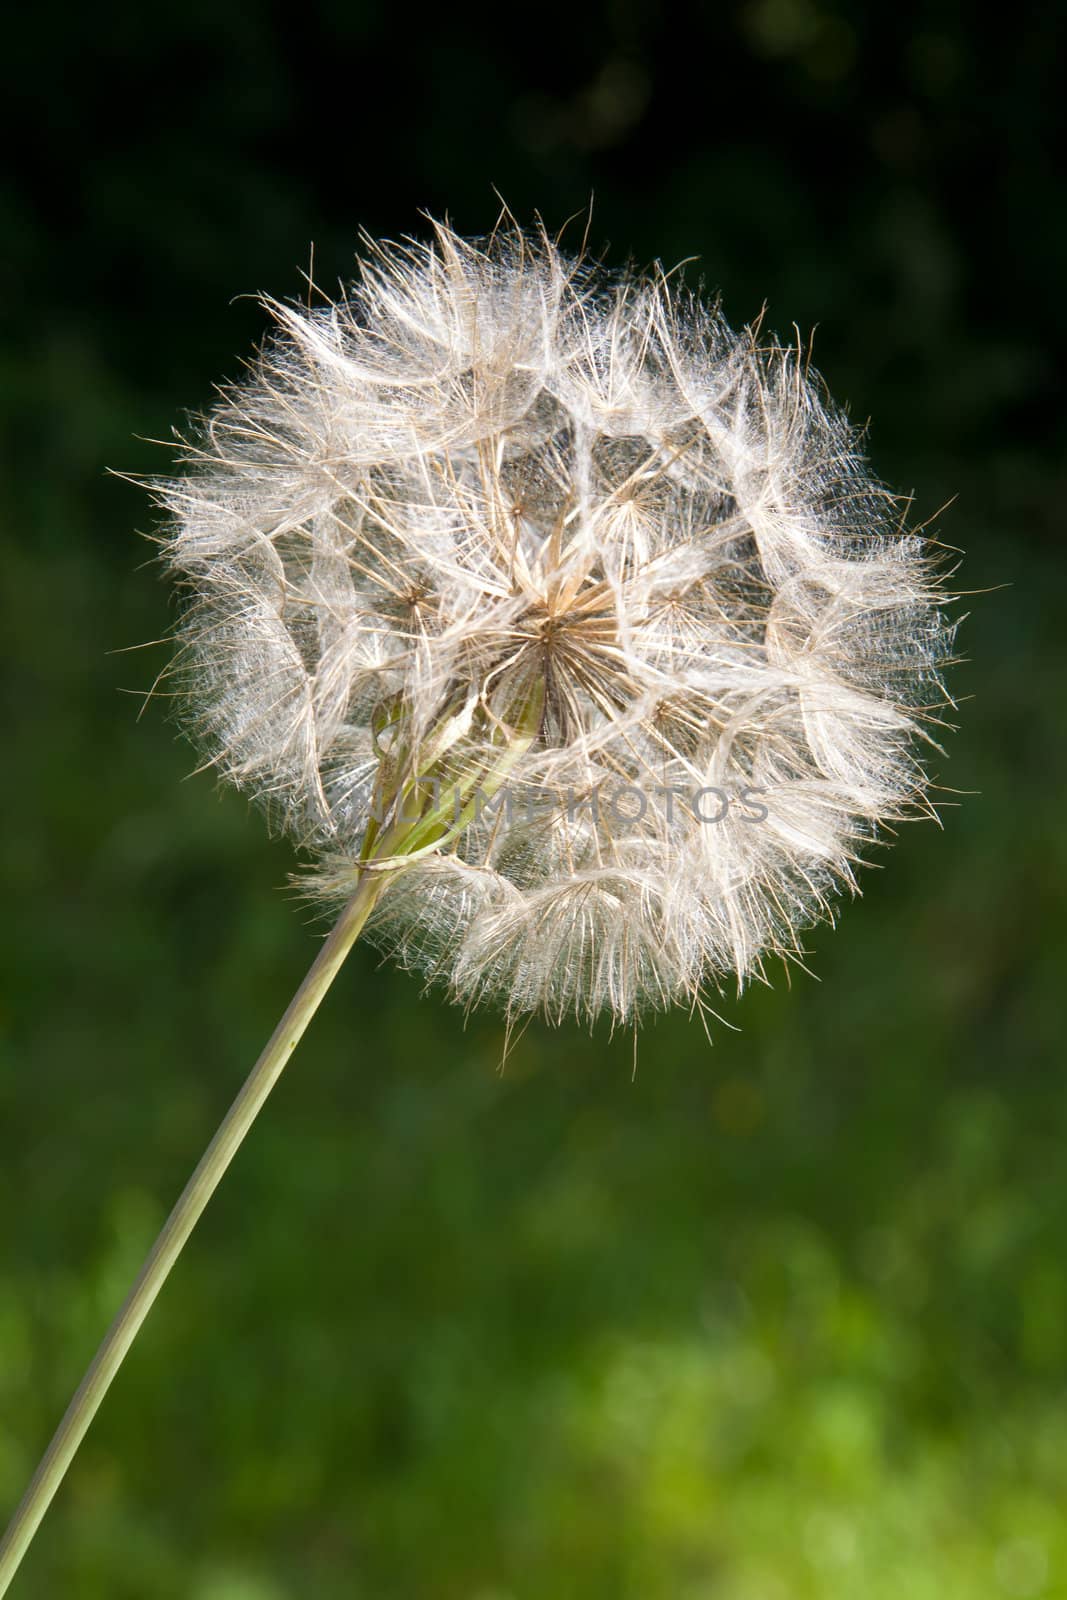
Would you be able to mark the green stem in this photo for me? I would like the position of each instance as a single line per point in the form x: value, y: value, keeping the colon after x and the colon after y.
x: 179, y: 1225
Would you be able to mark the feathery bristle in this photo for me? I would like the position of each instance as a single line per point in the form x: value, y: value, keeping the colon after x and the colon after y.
x: 490, y: 467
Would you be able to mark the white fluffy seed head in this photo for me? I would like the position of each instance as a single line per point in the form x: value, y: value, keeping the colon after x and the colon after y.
x: 491, y: 472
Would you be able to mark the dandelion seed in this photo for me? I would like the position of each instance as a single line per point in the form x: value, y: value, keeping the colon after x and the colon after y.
x: 488, y: 472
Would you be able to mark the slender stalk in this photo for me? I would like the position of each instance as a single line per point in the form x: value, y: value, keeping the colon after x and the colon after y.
x: 179, y: 1225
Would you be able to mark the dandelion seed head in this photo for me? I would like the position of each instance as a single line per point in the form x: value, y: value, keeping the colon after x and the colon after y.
x: 489, y: 470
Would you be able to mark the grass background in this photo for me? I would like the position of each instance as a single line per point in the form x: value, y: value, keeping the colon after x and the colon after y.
x: 782, y: 1317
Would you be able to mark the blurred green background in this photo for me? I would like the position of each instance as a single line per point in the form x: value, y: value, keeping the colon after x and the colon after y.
x: 782, y: 1317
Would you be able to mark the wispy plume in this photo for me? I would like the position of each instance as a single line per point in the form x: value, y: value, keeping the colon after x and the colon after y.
x: 496, y: 498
